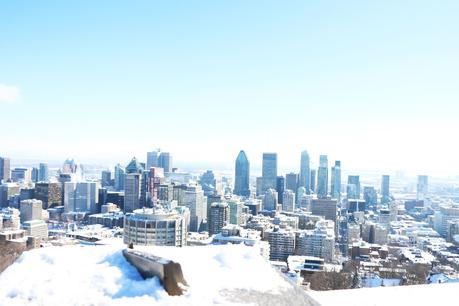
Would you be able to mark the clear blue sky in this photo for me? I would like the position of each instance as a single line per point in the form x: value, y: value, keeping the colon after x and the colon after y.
x: 373, y: 83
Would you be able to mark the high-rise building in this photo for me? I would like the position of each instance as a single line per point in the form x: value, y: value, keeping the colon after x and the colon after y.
x: 21, y: 175
x: 197, y: 204
x: 119, y: 178
x: 385, y: 186
x: 5, y: 168
x: 106, y: 178
x: 325, y: 208
x: 155, y: 179
x: 322, y: 177
x: 50, y: 194
x: 210, y: 183
x: 165, y: 161
x: 291, y: 182
x: 288, y: 202
x: 43, y: 172
x: 219, y: 217
x: 155, y: 227
x: 153, y: 158
x: 242, y: 175
x: 34, y: 174
x: 236, y: 212
x: 31, y: 210
x: 270, y: 200
x: 259, y: 186
x: 319, y: 242
x: 422, y: 187
x: 281, y: 242
x: 336, y: 180
x: 36, y: 228
x: 313, y: 180
x: 305, y: 172
x: 280, y: 188
x: 353, y: 187
x: 269, y: 171
x: 133, y: 186
x: 7, y: 192
x: 81, y: 196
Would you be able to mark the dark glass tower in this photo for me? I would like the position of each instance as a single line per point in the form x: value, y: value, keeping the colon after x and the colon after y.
x: 241, y: 184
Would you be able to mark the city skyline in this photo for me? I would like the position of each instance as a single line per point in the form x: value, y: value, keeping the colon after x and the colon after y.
x: 265, y: 77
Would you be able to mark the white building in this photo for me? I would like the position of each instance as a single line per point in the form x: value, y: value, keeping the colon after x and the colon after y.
x: 197, y: 204
x: 31, y: 210
x: 319, y: 242
x: 448, y: 212
x: 270, y: 200
x: 157, y: 226
x: 288, y: 201
x: 36, y: 228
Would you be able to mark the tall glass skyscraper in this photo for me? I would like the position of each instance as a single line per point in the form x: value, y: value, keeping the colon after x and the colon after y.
x: 353, y: 187
x: 305, y: 172
x: 242, y: 175
x: 43, y: 173
x: 269, y: 171
x: 385, y: 193
x: 336, y: 180
x: 322, y: 177
x: 422, y: 187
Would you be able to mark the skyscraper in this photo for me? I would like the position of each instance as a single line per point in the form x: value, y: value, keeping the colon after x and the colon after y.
x: 313, y: 180
x: 305, y: 172
x: 81, y: 196
x: 34, y: 174
x: 270, y: 200
x: 291, y: 182
x: 152, y: 159
x: 422, y: 187
x: 280, y: 187
x: 385, y: 187
x: 353, y: 187
x: 106, y: 178
x: 119, y: 177
x: 242, y: 175
x: 269, y: 171
x: 132, y: 186
x: 322, y: 177
x: 288, y: 203
x: 43, y: 173
x: 336, y: 180
x: 165, y: 161
x: 5, y: 168
x: 197, y: 204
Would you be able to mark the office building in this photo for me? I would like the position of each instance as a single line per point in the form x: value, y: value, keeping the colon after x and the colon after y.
x: 34, y: 174
x: 270, y: 200
x: 81, y: 197
x: 5, y: 168
x: 236, y: 212
x: 305, y: 172
x: 196, y: 202
x: 288, y: 203
x: 43, y: 172
x: 36, y: 228
x: 313, y: 180
x: 325, y: 208
x: 322, y: 177
x: 165, y: 161
x: 21, y: 175
x: 385, y: 189
x: 157, y: 226
x: 152, y: 159
x: 219, y: 217
x: 242, y: 175
x: 422, y: 187
x: 50, y: 194
x: 30, y: 210
x: 269, y: 171
x: 7, y: 192
x: 133, y: 180
x: 210, y: 183
x: 353, y: 187
x: 291, y: 182
x: 106, y: 179
x: 336, y: 180
x: 280, y: 188
x: 119, y: 178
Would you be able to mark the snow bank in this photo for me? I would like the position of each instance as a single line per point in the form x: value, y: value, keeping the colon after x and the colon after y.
x: 423, y: 295
x: 99, y: 275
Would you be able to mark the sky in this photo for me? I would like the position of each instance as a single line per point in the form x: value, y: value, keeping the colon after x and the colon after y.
x: 374, y: 84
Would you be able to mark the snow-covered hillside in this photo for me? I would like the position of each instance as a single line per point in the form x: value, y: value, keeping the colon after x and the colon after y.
x: 99, y: 275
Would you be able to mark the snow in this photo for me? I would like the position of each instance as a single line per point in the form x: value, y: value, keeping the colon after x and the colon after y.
x: 99, y: 275
x: 422, y: 295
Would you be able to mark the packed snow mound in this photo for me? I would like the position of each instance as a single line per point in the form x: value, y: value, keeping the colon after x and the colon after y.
x: 100, y: 275
x: 421, y: 295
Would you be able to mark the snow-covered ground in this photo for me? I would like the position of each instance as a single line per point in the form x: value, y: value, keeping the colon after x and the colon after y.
x: 99, y: 275
x: 423, y: 295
